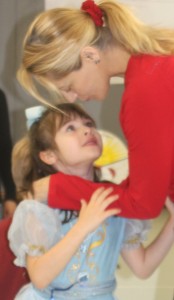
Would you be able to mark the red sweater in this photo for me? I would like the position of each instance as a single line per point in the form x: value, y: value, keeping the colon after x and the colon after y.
x: 147, y: 119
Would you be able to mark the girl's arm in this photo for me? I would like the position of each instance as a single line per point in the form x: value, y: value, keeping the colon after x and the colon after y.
x: 56, y: 259
x: 144, y: 261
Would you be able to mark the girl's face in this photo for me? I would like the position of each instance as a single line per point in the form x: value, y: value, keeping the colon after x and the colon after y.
x: 79, y: 145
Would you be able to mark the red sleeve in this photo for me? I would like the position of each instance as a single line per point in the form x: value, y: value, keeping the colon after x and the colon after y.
x: 147, y: 120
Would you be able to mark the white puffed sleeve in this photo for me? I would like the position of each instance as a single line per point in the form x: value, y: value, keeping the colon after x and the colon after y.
x: 35, y: 228
x: 135, y: 233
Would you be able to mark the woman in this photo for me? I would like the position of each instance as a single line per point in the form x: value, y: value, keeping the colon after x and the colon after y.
x: 75, y: 52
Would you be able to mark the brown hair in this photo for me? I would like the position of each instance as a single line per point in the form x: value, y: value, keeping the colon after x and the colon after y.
x: 26, y: 163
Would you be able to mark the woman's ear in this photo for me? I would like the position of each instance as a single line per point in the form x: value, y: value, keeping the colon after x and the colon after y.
x: 49, y: 157
x: 90, y: 54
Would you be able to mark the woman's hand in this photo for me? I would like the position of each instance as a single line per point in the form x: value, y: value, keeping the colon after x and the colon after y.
x: 170, y: 207
x: 41, y: 188
x: 94, y: 213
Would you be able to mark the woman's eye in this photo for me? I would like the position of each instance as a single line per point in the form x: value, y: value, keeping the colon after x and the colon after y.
x: 68, y: 90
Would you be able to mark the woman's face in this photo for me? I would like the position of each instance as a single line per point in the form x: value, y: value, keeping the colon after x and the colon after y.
x: 90, y: 82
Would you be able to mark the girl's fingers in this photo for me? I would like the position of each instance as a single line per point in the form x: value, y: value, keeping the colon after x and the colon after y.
x: 109, y: 200
x: 112, y: 212
x: 97, y: 194
x: 104, y: 194
x: 83, y: 205
x: 101, y: 193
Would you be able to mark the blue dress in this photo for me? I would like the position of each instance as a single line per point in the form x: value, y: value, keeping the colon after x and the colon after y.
x: 90, y: 274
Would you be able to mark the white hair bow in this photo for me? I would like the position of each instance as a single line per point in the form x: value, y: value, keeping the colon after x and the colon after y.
x: 33, y: 114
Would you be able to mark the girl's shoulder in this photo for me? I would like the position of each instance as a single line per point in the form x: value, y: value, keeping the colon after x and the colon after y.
x: 34, y: 229
x: 136, y: 232
x: 38, y: 208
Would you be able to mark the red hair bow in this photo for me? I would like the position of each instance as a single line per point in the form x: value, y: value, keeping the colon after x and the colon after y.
x: 94, y: 11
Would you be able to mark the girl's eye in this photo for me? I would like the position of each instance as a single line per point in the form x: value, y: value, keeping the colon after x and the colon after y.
x: 70, y: 128
x: 90, y: 124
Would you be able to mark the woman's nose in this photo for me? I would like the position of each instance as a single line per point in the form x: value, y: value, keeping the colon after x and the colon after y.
x: 71, y: 96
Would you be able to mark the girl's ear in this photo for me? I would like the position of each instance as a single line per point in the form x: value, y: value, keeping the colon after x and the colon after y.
x: 49, y: 157
x: 90, y: 54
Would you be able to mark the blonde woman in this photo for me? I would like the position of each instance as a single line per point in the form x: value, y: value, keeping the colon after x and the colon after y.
x: 75, y: 53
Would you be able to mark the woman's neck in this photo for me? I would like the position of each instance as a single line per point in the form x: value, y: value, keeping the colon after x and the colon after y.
x: 117, y: 59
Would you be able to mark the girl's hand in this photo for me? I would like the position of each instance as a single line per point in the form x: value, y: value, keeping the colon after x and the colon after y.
x: 94, y: 213
x: 170, y: 207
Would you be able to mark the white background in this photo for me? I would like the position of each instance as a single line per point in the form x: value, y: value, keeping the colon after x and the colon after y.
x: 153, y: 12
x: 156, y: 12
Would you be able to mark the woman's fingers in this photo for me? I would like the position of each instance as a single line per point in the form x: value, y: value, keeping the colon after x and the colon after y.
x: 170, y: 206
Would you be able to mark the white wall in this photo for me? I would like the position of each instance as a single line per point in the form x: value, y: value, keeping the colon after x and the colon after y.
x: 15, y: 16
x: 156, y: 12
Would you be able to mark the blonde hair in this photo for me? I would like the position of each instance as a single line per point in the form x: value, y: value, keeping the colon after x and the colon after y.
x: 55, y: 38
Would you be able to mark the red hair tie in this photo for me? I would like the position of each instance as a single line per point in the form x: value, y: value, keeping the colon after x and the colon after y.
x: 94, y: 11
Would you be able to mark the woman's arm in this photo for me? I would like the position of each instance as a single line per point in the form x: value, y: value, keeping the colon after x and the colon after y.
x: 56, y: 259
x: 144, y: 261
x: 41, y: 189
x: 147, y: 121
x: 150, y: 169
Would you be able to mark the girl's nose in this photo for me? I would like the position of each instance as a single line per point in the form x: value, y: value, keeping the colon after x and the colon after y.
x: 87, y: 130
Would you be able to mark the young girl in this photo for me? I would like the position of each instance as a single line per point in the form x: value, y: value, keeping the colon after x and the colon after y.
x: 71, y: 256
